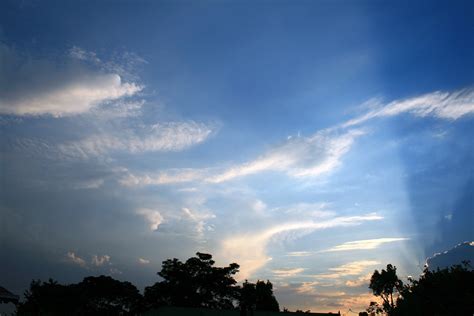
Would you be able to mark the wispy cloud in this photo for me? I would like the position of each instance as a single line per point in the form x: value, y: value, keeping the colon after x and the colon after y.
x: 444, y: 105
x: 363, y: 244
x: 199, y: 219
x: 299, y: 254
x: 284, y: 273
x: 31, y: 86
x: 298, y: 157
x: 153, y: 217
x: 143, y: 261
x: 163, y: 137
x: 360, y: 281
x: 348, y: 269
x: 250, y: 249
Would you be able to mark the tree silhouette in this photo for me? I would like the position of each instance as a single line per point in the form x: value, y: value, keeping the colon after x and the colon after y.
x: 101, y: 295
x: 194, y: 283
x: 384, y: 284
x: 258, y: 296
x: 444, y: 292
x: 449, y: 291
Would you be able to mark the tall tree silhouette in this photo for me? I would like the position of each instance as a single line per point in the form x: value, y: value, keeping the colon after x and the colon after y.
x: 384, y: 284
x: 194, y: 283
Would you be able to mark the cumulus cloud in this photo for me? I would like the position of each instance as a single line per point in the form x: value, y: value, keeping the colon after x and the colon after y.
x: 162, y: 137
x: 250, y: 249
x: 153, y: 217
x: 31, y: 86
x: 72, y: 257
x: 363, y: 244
x: 456, y: 255
x: 100, y: 260
x: 443, y: 105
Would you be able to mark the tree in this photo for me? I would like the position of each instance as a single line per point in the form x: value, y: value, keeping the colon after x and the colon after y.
x: 444, y: 292
x: 194, y: 283
x: 101, y: 295
x: 258, y: 296
x: 384, y: 284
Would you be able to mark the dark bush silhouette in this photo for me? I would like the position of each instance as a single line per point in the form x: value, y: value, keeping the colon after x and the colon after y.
x: 444, y: 292
x: 194, y: 283
x: 101, y: 295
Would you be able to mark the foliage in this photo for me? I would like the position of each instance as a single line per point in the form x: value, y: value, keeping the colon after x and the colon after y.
x: 449, y: 291
x: 194, y: 283
x: 101, y: 295
x: 444, y: 292
x: 384, y: 284
x: 258, y: 296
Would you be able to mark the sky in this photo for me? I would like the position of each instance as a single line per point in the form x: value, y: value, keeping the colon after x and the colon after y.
x: 311, y: 142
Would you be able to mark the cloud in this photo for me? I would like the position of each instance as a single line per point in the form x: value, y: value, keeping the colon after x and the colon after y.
x: 100, y: 260
x: 299, y: 254
x: 162, y: 137
x: 363, y: 244
x: 298, y: 157
x: 250, y: 249
x: 143, y: 261
x: 348, y: 269
x: 72, y: 257
x: 360, y: 281
x: 153, y: 217
x: 284, y: 273
x: 169, y: 177
x: 199, y: 219
x: 456, y: 255
x: 443, y: 105
x: 32, y: 86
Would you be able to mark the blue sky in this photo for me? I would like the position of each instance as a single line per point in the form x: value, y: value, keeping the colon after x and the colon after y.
x: 310, y: 142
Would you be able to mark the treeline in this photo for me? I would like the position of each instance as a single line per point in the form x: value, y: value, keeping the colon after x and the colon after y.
x: 442, y: 292
x: 194, y: 283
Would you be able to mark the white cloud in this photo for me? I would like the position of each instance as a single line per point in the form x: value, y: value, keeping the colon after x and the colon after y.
x: 163, y: 137
x: 72, y: 257
x: 143, y: 261
x: 348, y: 269
x: 100, y: 260
x: 199, y: 219
x: 299, y: 254
x: 444, y: 105
x: 298, y: 157
x: 153, y: 217
x: 169, y: 177
x: 250, y: 249
x: 364, y: 244
x: 31, y: 86
x: 284, y: 273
